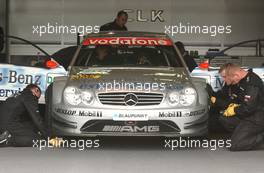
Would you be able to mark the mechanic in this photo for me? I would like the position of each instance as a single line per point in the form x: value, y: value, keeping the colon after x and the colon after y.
x: 222, y: 98
x: 220, y: 101
x: 143, y: 60
x: 20, y: 120
x: 119, y: 24
x: 189, y: 60
x: 101, y: 56
x: 245, y: 116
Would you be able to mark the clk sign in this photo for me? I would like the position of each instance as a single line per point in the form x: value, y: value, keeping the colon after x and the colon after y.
x: 141, y: 16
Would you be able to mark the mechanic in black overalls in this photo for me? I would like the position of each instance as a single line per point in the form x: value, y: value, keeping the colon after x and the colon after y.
x: 226, y: 95
x: 245, y: 116
x: 220, y: 100
x: 20, y: 120
x: 119, y: 24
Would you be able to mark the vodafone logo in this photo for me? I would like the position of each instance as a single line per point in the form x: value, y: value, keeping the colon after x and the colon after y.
x: 128, y: 41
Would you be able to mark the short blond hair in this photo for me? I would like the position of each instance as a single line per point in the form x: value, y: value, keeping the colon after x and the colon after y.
x: 229, y: 68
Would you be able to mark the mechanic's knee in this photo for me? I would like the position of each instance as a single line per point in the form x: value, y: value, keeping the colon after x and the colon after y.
x: 237, y: 147
x: 240, y: 143
x: 224, y: 121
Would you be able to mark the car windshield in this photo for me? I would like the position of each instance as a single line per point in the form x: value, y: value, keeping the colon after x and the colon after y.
x: 120, y: 55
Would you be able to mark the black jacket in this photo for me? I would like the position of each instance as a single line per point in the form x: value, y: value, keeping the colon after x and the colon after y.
x: 224, y: 97
x: 112, y: 26
x: 18, y: 110
x: 250, y: 95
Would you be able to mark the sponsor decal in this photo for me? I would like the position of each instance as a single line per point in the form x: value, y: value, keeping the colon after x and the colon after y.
x: 85, y: 76
x: 90, y: 113
x: 65, y: 112
x: 14, y: 77
x: 132, y: 129
x: 130, y: 117
x: 79, y: 113
x: 194, y: 113
x: 219, y: 83
x: 128, y: 41
x: 9, y: 92
x: 92, y: 71
x: 170, y: 114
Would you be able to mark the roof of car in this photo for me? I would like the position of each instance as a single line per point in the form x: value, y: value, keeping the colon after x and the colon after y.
x: 128, y: 34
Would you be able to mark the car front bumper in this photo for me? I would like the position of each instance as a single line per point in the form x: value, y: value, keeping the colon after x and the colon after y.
x: 122, y: 122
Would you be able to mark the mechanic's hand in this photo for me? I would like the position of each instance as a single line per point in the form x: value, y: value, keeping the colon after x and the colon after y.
x: 230, y: 111
x: 56, y: 142
x: 209, y: 90
x: 213, y: 99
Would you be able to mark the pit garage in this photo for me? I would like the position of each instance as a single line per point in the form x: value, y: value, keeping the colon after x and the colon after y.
x: 105, y: 86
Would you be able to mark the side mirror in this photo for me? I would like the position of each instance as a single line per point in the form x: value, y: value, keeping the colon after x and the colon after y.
x: 1, y: 39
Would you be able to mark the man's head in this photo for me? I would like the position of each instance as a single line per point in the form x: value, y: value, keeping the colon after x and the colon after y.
x: 223, y: 74
x: 36, y: 91
x: 232, y: 73
x: 121, y: 18
x: 102, y: 52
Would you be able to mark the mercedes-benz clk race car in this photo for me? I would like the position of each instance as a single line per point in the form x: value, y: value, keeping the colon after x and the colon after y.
x: 127, y: 83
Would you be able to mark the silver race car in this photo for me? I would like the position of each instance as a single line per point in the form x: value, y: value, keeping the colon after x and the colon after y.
x: 127, y: 83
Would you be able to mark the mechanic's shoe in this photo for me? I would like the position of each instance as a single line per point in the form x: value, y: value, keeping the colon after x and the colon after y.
x: 4, y: 138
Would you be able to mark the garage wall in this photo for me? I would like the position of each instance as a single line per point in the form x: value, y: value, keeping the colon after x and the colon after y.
x: 2, y: 13
x: 245, y: 18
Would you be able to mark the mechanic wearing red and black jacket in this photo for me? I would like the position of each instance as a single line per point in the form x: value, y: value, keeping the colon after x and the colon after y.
x: 245, y: 116
x: 20, y: 120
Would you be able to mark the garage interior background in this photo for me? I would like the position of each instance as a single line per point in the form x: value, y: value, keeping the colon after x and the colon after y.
x: 245, y: 17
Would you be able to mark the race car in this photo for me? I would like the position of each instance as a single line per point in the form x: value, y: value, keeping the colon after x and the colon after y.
x: 127, y: 84
x: 209, y: 66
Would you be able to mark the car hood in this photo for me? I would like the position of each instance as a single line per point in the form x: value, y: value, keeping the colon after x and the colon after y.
x: 92, y: 77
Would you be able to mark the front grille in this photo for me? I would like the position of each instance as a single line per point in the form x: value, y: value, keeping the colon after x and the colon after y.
x: 121, y: 98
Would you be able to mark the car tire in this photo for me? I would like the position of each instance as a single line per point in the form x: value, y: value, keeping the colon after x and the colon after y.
x: 48, y: 110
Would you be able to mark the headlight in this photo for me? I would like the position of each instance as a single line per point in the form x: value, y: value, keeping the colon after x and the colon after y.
x: 87, y: 97
x: 72, y: 95
x: 187, y: 96
x: 173, y: 98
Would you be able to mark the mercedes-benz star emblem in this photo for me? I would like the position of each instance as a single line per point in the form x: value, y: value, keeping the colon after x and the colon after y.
x: 130, y: 99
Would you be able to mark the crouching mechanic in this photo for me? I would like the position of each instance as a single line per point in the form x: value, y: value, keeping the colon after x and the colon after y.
x: 20, y: 120
x: 220, y: 99
x: 245, y: 116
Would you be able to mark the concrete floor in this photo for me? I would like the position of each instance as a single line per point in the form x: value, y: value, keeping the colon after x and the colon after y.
x: 134, y: 154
